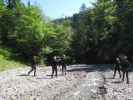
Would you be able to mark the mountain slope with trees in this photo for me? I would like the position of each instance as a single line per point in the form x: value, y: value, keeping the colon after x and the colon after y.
x: 94, y: 35
x: 102, y: 32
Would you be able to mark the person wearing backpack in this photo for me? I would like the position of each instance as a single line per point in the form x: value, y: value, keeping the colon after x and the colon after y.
x: 117, y: 66
x: 125, y: 68
x: 33, y: 65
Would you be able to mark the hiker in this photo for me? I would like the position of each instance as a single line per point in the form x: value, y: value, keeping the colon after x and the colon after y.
x: 117, y: 67
x: 63, y: 65
x: 58, y: 62
x: 125, y: 68
x: 33, y: 65
x: 54, y: 66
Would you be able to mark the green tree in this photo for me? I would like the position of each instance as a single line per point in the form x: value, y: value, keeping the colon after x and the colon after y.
x: 93, y: 31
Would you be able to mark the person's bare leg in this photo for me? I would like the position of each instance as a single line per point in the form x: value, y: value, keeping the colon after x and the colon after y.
x: 119, y: 73
x: 65, y: 69
x: 30, y: 71
x: 35, y: 72
x: 62, y: 70
x: 52, y: 72
x: 127, y: 77
x: 114, y: 73
x: 56, y: 71
x: 123, y: 76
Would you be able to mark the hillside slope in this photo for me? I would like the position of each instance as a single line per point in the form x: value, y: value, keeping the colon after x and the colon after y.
x: 7, y: 61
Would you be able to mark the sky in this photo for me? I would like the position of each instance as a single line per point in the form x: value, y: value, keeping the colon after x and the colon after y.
x: 60, y: 8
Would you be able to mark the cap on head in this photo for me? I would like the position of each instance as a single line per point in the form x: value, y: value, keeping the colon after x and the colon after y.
x: 117, y: 59
x: 125, y: 57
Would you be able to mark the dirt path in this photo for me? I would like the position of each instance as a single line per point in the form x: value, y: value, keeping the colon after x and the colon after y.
x: 80, y: 83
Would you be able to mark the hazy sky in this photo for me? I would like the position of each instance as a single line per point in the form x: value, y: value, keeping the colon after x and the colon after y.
x: 60, y: 8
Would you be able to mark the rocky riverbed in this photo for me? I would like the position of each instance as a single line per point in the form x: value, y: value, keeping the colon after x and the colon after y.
x: 82, y: 82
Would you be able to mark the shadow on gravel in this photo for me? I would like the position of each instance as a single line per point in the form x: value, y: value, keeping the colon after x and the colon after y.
x: 90, y: 68
x: 49, y: 76
x: 23, y: 75
x: 44, y: 77
x: 116, y: 82
x: 109, y: 77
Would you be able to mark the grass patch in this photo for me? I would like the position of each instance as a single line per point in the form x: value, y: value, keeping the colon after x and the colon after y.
x: 6, y: 61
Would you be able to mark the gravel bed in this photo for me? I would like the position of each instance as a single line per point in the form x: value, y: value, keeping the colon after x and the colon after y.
x: 76, y: 85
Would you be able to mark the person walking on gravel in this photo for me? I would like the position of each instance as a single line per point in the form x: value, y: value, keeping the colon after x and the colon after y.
x: 125, y: 68
x: 63, y: 65
x: 54, y: 66
x: 117, y: 67
x: 33, y: 65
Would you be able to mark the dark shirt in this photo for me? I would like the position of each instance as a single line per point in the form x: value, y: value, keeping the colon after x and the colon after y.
x: 33, y: 61
x: 125, y: 65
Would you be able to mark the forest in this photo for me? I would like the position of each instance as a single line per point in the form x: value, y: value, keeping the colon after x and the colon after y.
x: 93, y: 35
